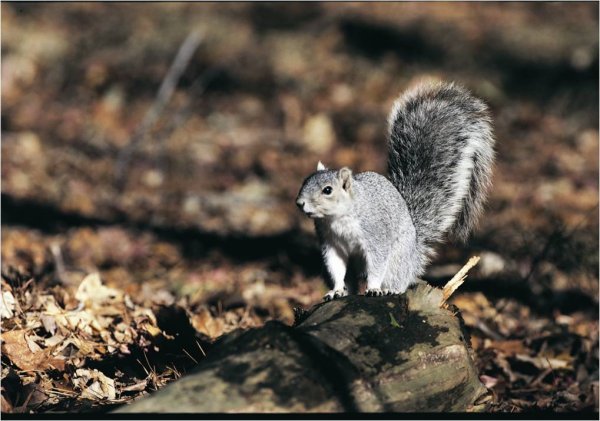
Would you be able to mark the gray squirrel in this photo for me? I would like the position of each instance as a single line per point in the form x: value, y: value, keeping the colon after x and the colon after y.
x: 441, y: 151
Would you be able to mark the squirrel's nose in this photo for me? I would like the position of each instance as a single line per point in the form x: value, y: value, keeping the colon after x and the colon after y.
x: 300, y: 204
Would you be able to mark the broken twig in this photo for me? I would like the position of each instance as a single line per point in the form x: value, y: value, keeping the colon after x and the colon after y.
x: 167, y: 87
x: 458, y: 279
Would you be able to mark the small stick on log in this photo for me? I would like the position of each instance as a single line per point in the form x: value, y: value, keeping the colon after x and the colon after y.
x: 167, y: 87
x: 457, y: 280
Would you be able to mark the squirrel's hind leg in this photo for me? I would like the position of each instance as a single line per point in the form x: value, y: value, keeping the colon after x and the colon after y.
x: 375, y: 272
x: 399, y: 273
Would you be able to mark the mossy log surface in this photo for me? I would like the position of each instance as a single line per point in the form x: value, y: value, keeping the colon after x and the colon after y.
x: 360, y: 354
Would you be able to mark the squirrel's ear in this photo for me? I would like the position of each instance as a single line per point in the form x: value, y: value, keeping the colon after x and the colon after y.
x: 345, y: 176
x: 321, y: 167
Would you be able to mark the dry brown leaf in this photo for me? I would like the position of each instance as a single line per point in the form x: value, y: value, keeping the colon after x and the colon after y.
x: 16, y: 347
x: 474, y: 307
x: 152, y: 330
x: 92, y: 293
x: 83, y: 347
x: 49, y: 323
x: 57, y: 363
x: 26, y: 354
x: 544, y: 363
x: 53, y: 340
x: 101, y: 386
x: 509, y: 347
x: 32, y: 345
x: 205, y: 323
x: 7, y: 304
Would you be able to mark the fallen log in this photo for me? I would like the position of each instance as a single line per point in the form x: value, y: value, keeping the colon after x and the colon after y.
x: 401, y: 353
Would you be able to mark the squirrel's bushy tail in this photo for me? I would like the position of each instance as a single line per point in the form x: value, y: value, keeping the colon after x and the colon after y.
x: 441, y: 150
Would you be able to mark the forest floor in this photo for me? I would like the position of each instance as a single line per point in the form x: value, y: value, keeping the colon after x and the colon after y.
x: 117, y: 283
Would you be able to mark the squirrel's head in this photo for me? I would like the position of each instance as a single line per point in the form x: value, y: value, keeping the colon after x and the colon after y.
x: 326, y: 192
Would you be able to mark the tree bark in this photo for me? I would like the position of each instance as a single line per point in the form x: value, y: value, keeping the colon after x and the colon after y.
x: 358, y: 354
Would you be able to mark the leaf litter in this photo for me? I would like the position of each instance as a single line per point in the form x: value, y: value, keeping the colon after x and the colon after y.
x: 60, y: 350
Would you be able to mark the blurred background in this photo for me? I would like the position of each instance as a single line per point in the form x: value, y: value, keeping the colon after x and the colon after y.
x: 185, y: 196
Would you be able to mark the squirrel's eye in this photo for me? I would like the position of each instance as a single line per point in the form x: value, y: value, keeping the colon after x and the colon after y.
x: 327, y: 190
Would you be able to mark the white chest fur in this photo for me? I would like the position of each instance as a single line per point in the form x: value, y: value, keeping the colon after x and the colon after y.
x: 344, y: 234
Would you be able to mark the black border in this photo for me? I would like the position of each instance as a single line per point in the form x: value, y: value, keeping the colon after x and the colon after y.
x: 584, y: 415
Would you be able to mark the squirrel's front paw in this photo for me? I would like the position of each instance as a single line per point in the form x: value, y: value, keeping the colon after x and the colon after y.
x: 335, y: 293
x: 374, y: 292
